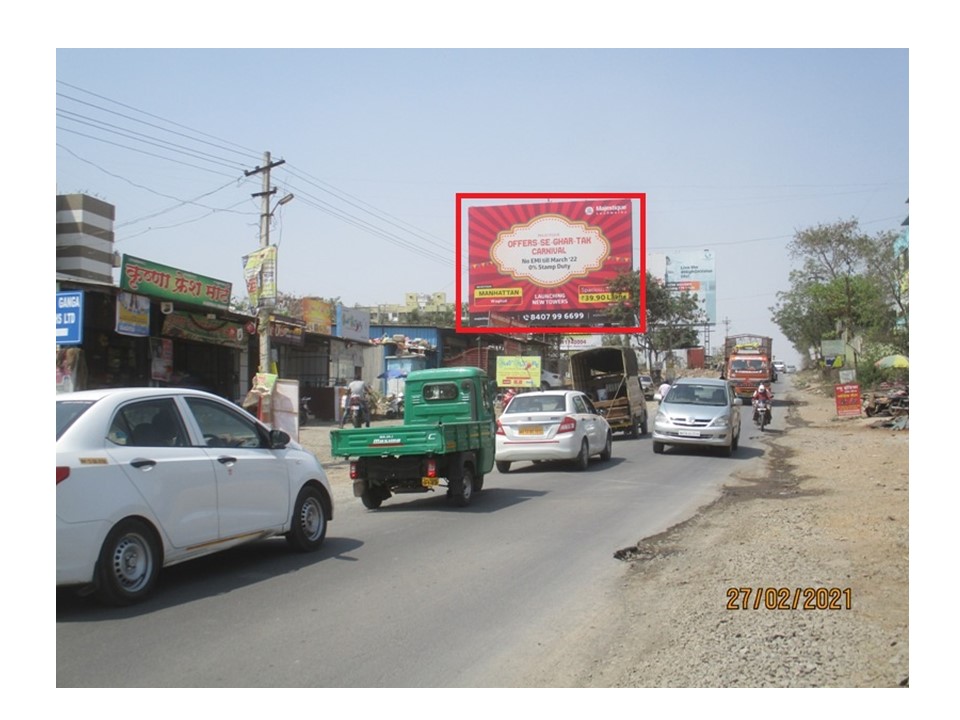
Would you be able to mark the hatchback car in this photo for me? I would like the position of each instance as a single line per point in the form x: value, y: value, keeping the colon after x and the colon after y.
x: 698, y: 411
x: 151, y: 477
x: 552, y: 425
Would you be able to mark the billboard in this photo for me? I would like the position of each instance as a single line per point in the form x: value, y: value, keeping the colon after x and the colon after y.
x: 546, y: 264
x: 693, y: 271
x: 518, y: 371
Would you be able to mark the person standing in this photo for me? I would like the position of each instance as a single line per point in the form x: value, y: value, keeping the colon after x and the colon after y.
x: 663, y: 389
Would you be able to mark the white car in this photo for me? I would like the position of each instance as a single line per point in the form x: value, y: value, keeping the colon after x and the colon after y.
x: 552, y: 425
x: 550, y: 380
x: 151, y: 477
x: 646, y: 384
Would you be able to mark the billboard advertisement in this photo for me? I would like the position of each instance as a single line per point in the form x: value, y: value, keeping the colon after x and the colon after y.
x: 546, y: 263
x: 693, y: 271
x: 518, y: 371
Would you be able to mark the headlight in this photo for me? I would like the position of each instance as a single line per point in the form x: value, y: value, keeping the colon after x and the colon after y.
x: 661, y: 417
x: 720, y: 422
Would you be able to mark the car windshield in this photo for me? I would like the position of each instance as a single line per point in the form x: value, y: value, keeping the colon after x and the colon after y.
x: 537, y: 403
x: 697, y: 395
x: 68, y: 411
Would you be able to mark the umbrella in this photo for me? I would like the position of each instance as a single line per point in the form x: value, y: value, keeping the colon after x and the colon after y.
x: 893, y: 361
x: 392, y: 374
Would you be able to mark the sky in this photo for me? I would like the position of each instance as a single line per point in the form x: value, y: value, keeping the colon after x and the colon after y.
x: 736, y: 151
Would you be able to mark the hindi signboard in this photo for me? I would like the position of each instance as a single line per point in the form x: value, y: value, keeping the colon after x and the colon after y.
x: 848, y: 401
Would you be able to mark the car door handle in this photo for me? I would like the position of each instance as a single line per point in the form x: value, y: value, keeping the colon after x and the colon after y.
x: 226, y: 460
x: 140, y: 463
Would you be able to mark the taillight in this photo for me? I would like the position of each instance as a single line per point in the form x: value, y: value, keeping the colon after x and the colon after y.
x: 431, y: 468
x: 569, y: 424
x: 500, y: 429
x: 353, y: 470
x: 62, y: 474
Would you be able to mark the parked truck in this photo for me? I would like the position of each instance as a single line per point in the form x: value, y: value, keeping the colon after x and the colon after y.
x: 747, y: 362
x: 446, y: 440
x: 611, y: 377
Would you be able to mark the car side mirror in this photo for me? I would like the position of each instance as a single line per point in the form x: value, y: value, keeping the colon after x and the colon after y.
x: 738, y: 401
x: 279, y: 439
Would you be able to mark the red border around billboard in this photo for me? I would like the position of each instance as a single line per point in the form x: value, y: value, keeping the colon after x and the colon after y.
x: 516, y: 330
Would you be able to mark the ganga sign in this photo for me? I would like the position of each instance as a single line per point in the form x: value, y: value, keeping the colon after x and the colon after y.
x: 848, y: 401
x: 70, y: 318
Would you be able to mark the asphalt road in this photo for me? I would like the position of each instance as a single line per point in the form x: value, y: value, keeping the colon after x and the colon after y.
x: 416, y: 594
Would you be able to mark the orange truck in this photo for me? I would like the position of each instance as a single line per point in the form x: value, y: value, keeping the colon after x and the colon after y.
x: 748, y: 362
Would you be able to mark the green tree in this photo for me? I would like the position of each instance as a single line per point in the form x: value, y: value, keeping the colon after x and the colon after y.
x: 846, y: 286
x: 672, y: 318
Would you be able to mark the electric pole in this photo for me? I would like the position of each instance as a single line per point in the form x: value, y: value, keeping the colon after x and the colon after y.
x: 263, y: 313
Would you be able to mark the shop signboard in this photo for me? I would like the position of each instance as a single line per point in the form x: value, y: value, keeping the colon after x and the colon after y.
x: 168, y: 283
x: 70, y: 317
x: 518, y: 371
x: 193, y: 326
x: 133, y: 315
x: 548, y: 263
x: 848, y: 400
x: 317, y: 314
x: 353, y: 323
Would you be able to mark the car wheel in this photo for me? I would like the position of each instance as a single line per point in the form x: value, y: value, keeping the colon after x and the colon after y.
x: 462, y: 491
x: 607, y: 449
x: 129, y: 563
x: 583, y: 458
x: 503, y: 466
x: 309, y: 524
x: 657, y: 447
x: 634, y: 429
x: 371, y: 498
x: 735, y: 443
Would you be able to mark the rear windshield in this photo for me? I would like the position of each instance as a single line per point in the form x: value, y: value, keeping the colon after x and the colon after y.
x: 68, y: 411
x: 688, y: 394
x: 440, y: 391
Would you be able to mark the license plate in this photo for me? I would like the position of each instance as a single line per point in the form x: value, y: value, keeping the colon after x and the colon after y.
x: 689, y: 433
x: 531, y: 430
x: 429, y: 482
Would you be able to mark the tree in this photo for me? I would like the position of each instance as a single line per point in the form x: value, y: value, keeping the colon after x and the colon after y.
x: 847, y: 286
x: 672, y: 317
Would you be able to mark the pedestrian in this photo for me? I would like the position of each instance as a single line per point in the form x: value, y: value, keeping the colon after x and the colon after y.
x: 664, y: 388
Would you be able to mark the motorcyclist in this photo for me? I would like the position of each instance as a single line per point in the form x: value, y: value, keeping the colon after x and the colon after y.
x: 762, y: 393
x: 359, y: 389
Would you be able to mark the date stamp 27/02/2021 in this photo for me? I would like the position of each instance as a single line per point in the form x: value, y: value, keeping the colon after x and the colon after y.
x: 785, y: 598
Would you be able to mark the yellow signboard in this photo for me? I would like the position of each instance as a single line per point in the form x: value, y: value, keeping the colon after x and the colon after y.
x: 518, y: 371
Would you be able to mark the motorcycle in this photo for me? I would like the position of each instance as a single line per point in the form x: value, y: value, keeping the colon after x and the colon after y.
x: 761, y: 413
x: 305, y: 412
x: 394, y: 406
x: 355, y: 411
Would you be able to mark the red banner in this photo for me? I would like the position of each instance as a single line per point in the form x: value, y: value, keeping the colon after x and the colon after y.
x: 548, y: 264
x: 848, y: 401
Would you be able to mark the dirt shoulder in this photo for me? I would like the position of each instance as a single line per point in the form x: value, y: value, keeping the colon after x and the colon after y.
x: 826, y: 509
